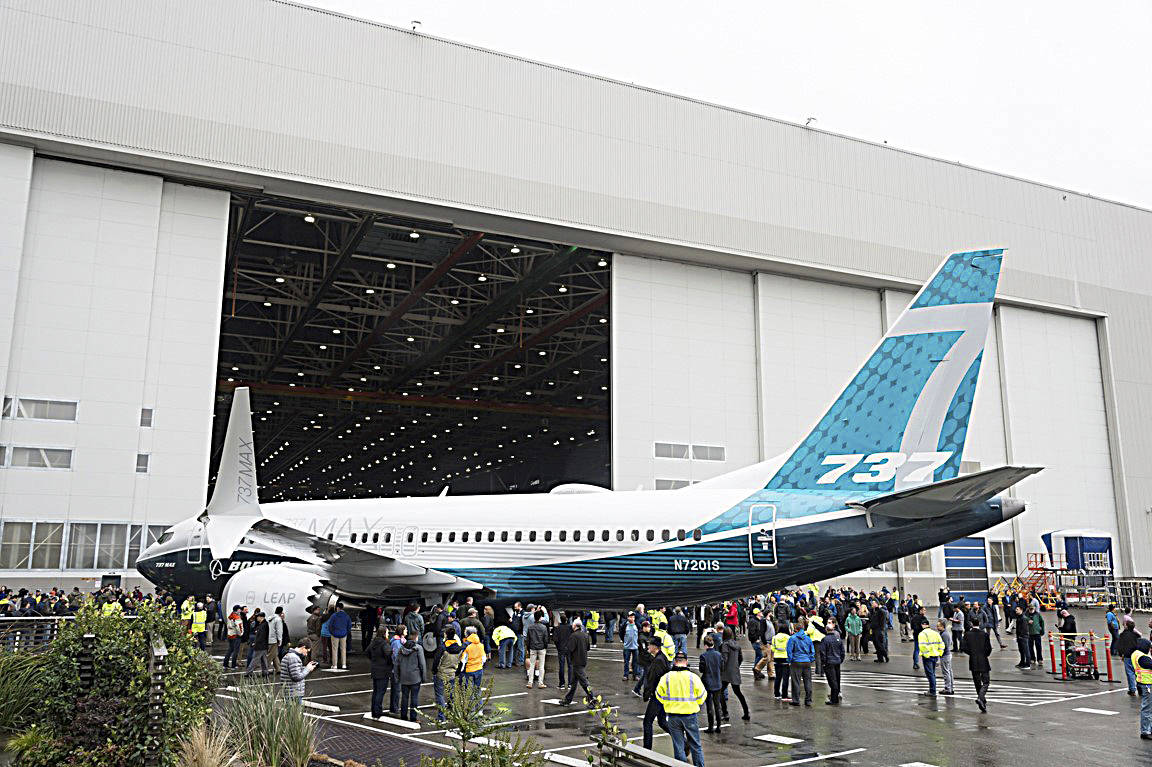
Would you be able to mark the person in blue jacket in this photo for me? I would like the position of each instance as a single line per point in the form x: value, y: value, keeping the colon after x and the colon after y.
x: 339, y: 626
x: 801, y: 653
x: 711, y: 668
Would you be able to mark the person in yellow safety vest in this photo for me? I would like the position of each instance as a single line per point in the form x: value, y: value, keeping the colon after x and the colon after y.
x: 1142, y: 665
x: 111, y: 607
x: 505, y: 639
x: 667, y: 646
x: 187, y: 607
x: 658, y: 619
x: 682, y: 693
x: 780, y: 661
x: 592, y: 625
x: 199, y: 628
x: 931, y: 646
x: 814, y: 632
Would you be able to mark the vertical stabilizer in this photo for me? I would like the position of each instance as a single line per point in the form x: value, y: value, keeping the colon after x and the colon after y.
x: 903, y: 418
x: 234, y: 506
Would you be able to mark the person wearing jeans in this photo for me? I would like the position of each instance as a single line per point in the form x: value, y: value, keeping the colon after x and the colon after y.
x: 681, y: 693
x: 931, y: 650
x: 380, y: 664
x: 631, y: 647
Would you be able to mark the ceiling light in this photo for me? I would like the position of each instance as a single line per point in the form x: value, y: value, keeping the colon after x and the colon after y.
x: 435, y: 372
x: 475, y: 346
x: 390, y: 265
x: 234, y: 368
x: 530, y: 311
x: 543, y: 353
x: 279, y: 279
x: 362, y: 379
x: 231, y: 379
x: 267, y: 303
x: 514, y: 250
x: 575, y: 372
x: 300, y: 374
x: 335, y: 331
x: 410, y: 339
x: 309, y: 218
x: 453, y: 302
x: 499, y: 330
x: 563, y: 289
x: 579, y: 396
x: 601, y: 262
x: 375, y: 367
x: 414, y: 235
x: 528, y: 393
x: 603, y: 320
x: 482, y: 278
x: 369, y: 291
x: 495, y: 378
x: 517, y: 366
x: 322, y: 346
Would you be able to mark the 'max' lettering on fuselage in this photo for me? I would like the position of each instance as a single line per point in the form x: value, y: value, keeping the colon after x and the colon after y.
x: 245, y: 482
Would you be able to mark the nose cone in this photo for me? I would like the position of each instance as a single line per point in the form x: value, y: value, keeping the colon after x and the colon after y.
x: 1011, y: 507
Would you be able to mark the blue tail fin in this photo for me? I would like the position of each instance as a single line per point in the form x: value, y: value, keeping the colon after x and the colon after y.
x: 903, y: 418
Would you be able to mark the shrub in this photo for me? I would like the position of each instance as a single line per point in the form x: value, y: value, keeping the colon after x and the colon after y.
x: 106, y: 725
x: 268, y: 730
x: 470, y: 714
x: 207, y: 745
x: 19, y: 689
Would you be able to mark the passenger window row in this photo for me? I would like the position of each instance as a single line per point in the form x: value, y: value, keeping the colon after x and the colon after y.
x: 531, y: 536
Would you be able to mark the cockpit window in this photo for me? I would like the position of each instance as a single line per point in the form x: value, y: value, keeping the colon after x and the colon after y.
x: 165, y: 537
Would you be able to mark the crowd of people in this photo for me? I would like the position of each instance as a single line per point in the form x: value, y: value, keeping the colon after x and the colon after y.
x: 795, y: 635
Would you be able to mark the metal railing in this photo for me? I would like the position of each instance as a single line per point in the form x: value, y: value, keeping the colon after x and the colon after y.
x: 29, y: 634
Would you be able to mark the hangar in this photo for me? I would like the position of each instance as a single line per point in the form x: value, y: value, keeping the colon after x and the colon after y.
x: 445, y: 267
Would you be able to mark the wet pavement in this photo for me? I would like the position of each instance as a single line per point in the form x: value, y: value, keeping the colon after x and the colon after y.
x: 886, y: 718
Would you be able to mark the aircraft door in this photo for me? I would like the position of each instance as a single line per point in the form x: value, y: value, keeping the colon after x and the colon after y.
x: 195, y: 541
x: 762, y: 535
x: 408, y: 542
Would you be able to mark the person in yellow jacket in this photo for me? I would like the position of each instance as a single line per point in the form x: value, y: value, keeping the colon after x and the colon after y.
x: 111, y: 607
x: 187, y: 607
x: 682, y: 693
x: 659, y: 620
x: 472, y: 659
x: 931, y: 646
x: 199, y: 629
x: 780, y: 661
x: 816, y: 634
x: 667, y: 645
x: 592, y: 625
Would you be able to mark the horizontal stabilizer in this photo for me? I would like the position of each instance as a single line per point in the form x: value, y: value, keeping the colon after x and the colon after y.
x: 951, y: 495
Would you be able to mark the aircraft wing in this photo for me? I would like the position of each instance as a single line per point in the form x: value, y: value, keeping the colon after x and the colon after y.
x: 352, y: 571
x: 951, y: 495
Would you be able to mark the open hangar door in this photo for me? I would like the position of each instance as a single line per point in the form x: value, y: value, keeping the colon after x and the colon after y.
x: 391, y: 356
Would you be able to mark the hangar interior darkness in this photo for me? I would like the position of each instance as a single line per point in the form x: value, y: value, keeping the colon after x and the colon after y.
x: 390, y: 356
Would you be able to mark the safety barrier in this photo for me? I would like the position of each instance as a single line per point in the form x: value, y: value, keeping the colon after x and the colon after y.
x: 27, y: 634
x: 1078, y: 655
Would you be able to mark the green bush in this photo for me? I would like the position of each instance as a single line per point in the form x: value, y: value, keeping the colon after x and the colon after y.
x: 19, y: 689
x: 106, y: 725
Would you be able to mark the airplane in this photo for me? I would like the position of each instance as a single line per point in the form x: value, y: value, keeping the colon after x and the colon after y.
x: 877, y: 478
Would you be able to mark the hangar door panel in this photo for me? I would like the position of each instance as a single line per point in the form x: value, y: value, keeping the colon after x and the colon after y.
x: 1055, y: 398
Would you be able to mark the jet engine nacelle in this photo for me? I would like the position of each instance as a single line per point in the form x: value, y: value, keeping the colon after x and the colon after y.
x: 273, y: 586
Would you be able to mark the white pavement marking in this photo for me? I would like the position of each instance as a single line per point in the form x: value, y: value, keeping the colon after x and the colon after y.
x: 782, y: 739
x: 534, y: 718
x: 493, y: 697
x: 321, y: 706
x: 817, y: 758
x: 337, y: 694
x: 335, y: 670
x: 480, y: 741
x: 1099, y: 711
x: 917, y: 764
x: 568, y: 760
x: 1008, y: 694
x: 395, y: 722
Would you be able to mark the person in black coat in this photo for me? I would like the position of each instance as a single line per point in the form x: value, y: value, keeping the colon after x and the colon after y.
x: 733, y: 656
x: 657, y: 667
x: 832, y: 656
x: 711, y: 673
x: 578, y: 645
x: 978, y: 647
x: 560, y: 636
x: 380, y: 664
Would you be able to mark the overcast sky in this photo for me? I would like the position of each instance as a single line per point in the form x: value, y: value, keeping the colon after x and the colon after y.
x: 1051, y: 90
